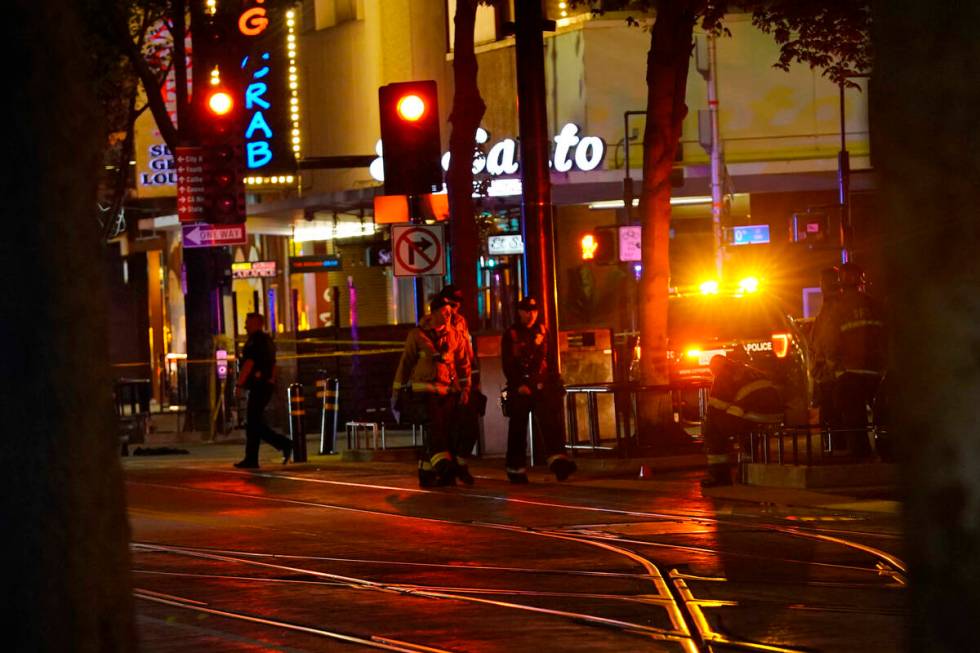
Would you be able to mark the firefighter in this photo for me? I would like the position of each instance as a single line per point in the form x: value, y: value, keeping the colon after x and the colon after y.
x: 857, y: 351
x: 465, y: 425
x: 821, y: 368
x: 432, y: 367
x: 741, y: 399
x: 532, y: 389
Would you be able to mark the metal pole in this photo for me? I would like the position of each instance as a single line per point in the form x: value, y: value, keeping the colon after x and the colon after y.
x: 297, y: 433
x: 717, y: 160
x: 843, y: 185
x: 328, y: 391
x: 415, y: 215
x: 538, y: 217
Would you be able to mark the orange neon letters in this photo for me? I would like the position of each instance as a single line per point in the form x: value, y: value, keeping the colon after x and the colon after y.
x: 253, y: 21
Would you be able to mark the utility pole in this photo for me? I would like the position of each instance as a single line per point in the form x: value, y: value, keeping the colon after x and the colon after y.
x: 537, y: 211
x: 717, y: 159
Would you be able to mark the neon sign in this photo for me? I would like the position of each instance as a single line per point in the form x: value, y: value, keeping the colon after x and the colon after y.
x: 271, y: 101
x: 253, y: 21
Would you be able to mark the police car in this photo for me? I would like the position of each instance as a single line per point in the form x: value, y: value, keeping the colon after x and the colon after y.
x: 744, y: 321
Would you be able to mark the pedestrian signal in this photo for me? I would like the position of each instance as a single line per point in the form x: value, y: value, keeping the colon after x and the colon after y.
x: 410, y: 142
x: 588, y: 246
x: 599, y: 245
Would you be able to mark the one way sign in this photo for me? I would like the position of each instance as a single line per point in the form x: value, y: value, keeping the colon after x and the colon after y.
x: 418, y: 249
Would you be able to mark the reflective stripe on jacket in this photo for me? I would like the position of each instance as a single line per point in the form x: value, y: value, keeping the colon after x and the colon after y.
x: 744, y: 392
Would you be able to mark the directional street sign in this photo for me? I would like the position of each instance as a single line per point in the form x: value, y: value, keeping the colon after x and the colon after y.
x: 629, y: 243
x: 190, y: 184
x: 213, y: 235
x: 419, y: 250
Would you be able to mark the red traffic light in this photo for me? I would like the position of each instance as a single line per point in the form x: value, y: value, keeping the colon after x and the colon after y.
x: 409, y: 113
x: 220, y: 102
x: 410, y: 107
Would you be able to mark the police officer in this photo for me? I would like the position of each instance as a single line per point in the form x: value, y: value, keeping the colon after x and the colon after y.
x: 821, y: 367
x: 741, y: 399
x: 465, y: 424
x: 857, y: 351
x: 532, y: 388
x: 432, y: 366
x: 257, y: 375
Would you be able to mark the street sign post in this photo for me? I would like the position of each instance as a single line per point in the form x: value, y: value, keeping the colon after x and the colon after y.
x: 419, y: 250
x: 629, y: 243
x: 190, y: 184
x: 213, y: 235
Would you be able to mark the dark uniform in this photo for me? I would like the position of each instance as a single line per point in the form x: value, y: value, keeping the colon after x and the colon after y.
x: 741, y: 399
x: 857, y: 348
x: 260, y: 349
x: 524, y: 350
x: 821, y: 368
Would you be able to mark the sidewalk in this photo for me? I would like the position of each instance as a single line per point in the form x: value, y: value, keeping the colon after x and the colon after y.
x: 866, y: 498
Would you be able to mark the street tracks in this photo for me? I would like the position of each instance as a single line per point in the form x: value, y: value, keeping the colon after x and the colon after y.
x: 689, y: 629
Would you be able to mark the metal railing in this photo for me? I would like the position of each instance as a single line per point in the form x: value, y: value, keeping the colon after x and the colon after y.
x: 625, y: 409
x: 807, y: 444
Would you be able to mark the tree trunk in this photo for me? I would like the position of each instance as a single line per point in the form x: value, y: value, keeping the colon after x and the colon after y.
x: 671, y: 41
x: 923, y: 118
x: 67, y: 584
x: 468, y: 110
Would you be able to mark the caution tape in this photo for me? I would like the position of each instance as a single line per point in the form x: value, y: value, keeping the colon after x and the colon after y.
x: 333, y: 354
x: 325, y: 354
x: 331, y: 341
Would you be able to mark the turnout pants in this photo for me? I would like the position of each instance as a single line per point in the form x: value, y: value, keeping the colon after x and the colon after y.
x: 464, y: 429
x: 439, y: 411
x: 256, y: 428
x: 853, y: 394
x: 546, y: 407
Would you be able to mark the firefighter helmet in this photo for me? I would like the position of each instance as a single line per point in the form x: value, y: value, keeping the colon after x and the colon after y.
x: 829, y: 281
x: 850, y: 275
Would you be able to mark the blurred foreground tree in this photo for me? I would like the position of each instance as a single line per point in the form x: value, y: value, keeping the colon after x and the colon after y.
x: 67, y: 585
x: 923, y: 121
x: 466, y: 115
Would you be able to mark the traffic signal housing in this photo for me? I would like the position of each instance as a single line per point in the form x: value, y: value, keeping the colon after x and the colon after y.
x: 219, y: 108
x: 223, y: 149
x: 599, y: 245
x: 411, y: 148
x: 224, y: 184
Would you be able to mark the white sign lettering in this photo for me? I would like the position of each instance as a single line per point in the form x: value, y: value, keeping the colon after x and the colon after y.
x: 584, y: 153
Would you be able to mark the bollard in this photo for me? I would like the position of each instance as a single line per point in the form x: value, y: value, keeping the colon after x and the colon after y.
x: 296, y: 412
x: 328, y: 392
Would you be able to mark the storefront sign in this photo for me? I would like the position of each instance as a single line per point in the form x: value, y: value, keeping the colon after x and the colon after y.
x: 308, y: 264
x: 505, y: 245
x: 570, y: 151
x: 253, y: 269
